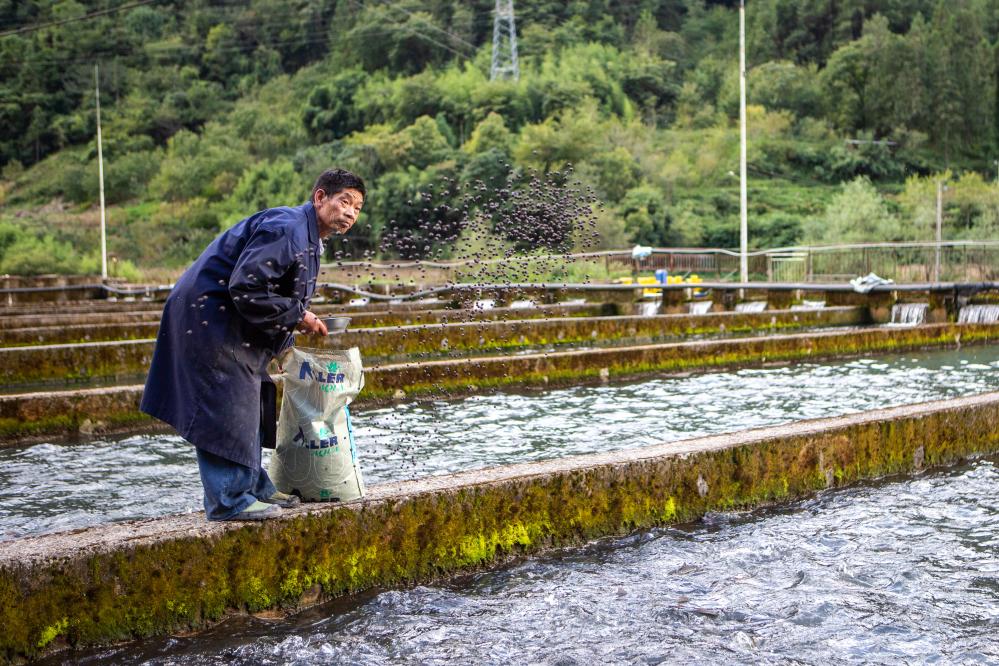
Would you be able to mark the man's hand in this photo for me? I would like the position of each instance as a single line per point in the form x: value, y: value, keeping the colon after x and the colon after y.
x: 312, y: 324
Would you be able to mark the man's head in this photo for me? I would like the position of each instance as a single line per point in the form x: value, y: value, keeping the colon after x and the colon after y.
x: 337, y: 196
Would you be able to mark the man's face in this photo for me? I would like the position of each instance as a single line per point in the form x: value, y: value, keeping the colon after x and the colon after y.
x: 336, y: 214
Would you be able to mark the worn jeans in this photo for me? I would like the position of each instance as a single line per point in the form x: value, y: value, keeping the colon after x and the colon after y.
x: 229, y: 486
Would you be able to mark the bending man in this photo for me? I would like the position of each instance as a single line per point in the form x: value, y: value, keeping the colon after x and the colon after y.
x: 229, y: 314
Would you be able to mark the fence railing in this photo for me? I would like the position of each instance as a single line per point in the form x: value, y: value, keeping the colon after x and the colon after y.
x: 953, y: 261
x: 908, y: 262
x: 905, y: 263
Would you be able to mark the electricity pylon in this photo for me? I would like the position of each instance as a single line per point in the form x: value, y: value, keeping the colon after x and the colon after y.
x: 505, y: 63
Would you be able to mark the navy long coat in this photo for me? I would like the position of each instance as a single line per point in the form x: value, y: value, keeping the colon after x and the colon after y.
x: 228, y: 315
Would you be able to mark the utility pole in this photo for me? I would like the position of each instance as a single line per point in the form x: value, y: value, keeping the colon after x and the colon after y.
x: 936, y: 262
x: 100, y: 175
x: 505, y: 63
x: 743, y: 197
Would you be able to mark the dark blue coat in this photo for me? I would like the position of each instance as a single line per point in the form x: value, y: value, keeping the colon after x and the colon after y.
x: 228, y: 315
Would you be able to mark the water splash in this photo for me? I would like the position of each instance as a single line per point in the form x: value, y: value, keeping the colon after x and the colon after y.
x: 978, y: 314
x: 909, y: 314
x: 751, y: 306
x: 699, y: 307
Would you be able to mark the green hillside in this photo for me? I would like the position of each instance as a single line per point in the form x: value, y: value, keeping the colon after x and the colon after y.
x: 213, y: 110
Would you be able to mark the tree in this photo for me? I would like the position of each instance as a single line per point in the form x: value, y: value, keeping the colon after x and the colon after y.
x: 784, y: 85
x: 857, y: 214
x: 490, y: 134
x: 330, y: 112
x: 266, y: 185
x: 645, y: 217
x: 615, y: 172
x: 556, y: 142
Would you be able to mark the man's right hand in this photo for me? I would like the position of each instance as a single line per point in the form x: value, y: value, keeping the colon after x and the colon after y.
x: 312, y: 324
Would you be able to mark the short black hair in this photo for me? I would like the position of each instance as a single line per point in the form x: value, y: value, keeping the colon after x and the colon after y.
x: 334, y: 181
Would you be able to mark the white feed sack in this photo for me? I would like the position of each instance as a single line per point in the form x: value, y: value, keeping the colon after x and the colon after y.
x: 315, y: 457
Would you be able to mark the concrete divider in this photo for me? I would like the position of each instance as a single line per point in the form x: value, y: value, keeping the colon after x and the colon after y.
x: 71, y: 328
x: 52, y: 321
x: 96, y: 305
x: 40, y: 364
x: 55, y: 414
x: 48, y: 415
x: 484, y: 336
x: 474, y: 375
x: 110, y: 306
x: 179, y: 573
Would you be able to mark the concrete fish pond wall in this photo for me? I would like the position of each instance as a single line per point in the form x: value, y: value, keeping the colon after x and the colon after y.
x: 39, y: 364
x: 34, y: 415
x: 70, y: 328
x: 547, y: 369
x: 128, y: 580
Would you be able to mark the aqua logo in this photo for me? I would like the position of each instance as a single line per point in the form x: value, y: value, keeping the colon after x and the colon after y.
x: 327, y: 442
x: 330, y: 379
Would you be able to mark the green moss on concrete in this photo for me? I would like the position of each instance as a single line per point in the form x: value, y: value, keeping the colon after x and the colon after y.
x: 63, y: 424
x: 74, y: 364
x: 188, y: 582
x: 50, y: 633
x: 463, y: 377
x: 484, y: 336
x: 83, y: 364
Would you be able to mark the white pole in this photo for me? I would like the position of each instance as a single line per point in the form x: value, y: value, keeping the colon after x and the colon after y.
x: 100, y: 173
x: 743, y: 198
x: 936, y: 263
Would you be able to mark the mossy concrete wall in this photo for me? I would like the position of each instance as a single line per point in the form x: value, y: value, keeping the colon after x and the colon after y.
x: 52, y: 321
x: 82, y: 332
x: 75, y: 363
x: 130, y: 580
x: 58, y: 288
x: 475, y: 375
x: 70, y: 413
x: 484, y: 336
x: 48, y: 415
x: 96, y: 305
x: 942, y: 301
x: 71, y: 328
x: 82, y: 362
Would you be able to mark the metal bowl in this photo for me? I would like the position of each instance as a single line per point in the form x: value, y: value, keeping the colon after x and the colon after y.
x: 336, y: 325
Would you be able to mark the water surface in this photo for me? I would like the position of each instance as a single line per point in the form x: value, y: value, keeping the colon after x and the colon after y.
x: 51, y: 487
x: 904, y: 571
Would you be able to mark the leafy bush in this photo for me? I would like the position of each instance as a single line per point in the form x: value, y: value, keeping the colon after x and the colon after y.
x: 207, y: 166
x: 28, y: 254
x: 267, y: 185
x: 128, y: 176
x: 858, y: 213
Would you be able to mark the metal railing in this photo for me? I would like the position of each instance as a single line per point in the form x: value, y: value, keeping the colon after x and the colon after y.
x: 909, y: 262
x: 905, y: 263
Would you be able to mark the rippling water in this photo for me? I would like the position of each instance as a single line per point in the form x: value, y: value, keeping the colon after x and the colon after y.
x: 893, y: 572
x: 52, y: 487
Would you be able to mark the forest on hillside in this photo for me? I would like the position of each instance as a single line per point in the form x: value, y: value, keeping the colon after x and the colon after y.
x: 212, y: 110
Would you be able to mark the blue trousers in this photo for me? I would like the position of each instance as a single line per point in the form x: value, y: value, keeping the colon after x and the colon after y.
x: 229, y: 486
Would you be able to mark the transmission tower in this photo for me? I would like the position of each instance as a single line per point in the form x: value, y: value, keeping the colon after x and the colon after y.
x: 505, y: 63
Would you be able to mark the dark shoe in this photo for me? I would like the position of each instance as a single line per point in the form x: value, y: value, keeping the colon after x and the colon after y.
x: 283, y: 500
x: 258, y: 511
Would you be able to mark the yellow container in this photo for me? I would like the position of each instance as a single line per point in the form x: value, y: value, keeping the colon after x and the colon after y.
x: 649, y: 293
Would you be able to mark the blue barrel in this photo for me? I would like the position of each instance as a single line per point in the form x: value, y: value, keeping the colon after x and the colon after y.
x: 661, y: 275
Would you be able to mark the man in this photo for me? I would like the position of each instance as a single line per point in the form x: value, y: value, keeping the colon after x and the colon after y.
x: 229, y: 314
